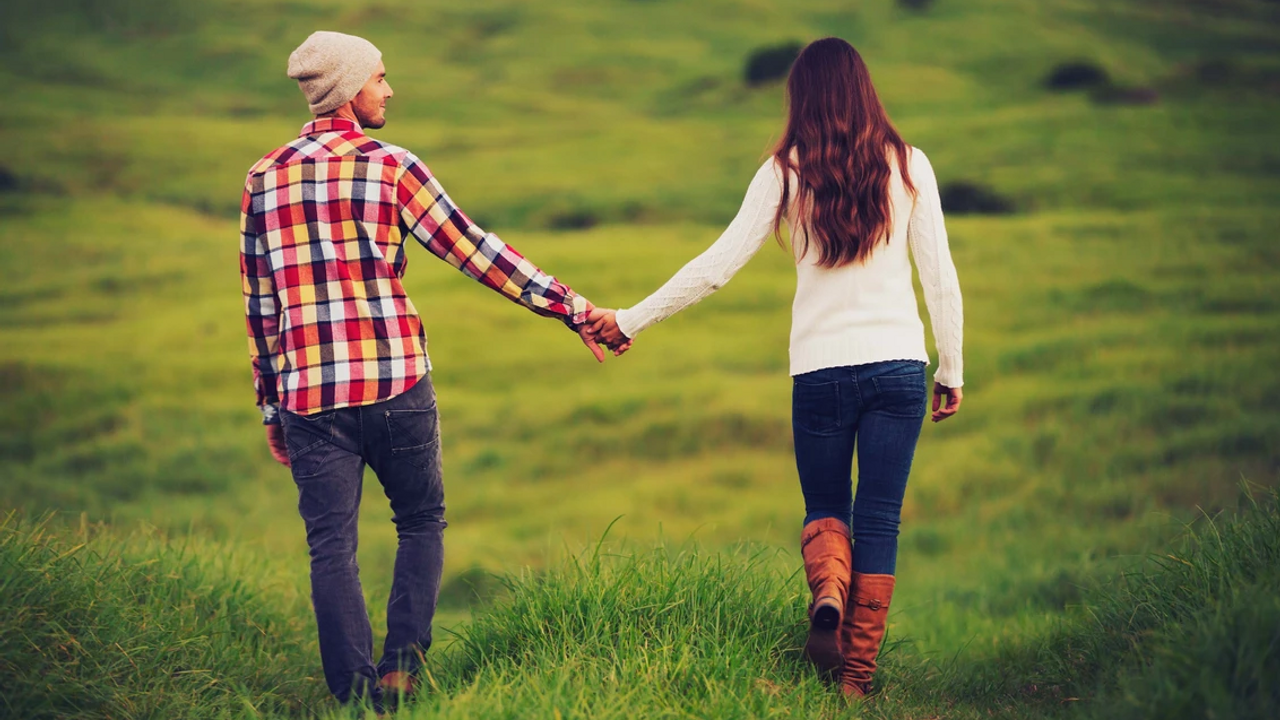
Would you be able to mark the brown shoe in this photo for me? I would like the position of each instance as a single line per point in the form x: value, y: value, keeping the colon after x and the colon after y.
x: 824, y: 545
x: 397, y: 686
x: 863, y: 631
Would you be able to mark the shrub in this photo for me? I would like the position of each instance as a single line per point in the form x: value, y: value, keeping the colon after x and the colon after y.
x: 1079, y: 75
x: 1116, y: 95
x: 771, y: 63
x: 917, y: 5
x: 8, y: 180
x: 964, y: 197
x: 576, y: 219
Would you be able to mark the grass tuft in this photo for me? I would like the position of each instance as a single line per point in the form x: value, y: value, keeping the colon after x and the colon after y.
x: 95, y: 626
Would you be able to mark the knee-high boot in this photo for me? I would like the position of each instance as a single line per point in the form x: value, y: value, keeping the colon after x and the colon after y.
x: 862, y: 631
x: 828, y: 558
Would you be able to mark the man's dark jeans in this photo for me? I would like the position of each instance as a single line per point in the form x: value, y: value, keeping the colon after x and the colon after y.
x: 400, y: 439
x: 880, y: 407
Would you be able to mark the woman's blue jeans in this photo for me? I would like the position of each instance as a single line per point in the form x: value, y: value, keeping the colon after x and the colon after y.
x: 879, y: 407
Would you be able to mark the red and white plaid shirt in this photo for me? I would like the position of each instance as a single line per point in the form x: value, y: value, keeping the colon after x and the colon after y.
x: 322, y: 225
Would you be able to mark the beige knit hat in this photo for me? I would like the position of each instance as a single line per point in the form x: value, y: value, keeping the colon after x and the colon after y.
x: 331, y: 68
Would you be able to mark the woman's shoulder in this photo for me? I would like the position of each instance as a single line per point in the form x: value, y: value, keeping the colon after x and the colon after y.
x: 917, y: 160
x: 771, y: 171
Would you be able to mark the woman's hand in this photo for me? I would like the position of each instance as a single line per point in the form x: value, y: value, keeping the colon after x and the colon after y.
x: 953, y: 395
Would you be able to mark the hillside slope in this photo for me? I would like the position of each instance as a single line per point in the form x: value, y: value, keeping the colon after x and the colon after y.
x: 91, y: 627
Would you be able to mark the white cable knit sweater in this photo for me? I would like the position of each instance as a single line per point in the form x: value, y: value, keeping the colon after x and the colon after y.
x: 851, y: 315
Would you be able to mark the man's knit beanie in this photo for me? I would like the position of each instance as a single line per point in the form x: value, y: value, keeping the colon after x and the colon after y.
x: 331, y: 68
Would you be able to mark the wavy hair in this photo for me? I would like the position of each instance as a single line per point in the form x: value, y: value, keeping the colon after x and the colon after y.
x: 839, y: 143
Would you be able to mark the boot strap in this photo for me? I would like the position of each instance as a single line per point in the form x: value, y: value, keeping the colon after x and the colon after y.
x: 805, y: 541
x: 870, y: 603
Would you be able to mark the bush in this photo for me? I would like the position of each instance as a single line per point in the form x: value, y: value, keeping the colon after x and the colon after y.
x: 917, y: 5
x: 1080, y: 75
x: 8, y: 180
x: 964, y: 197
x: 1116, y: 95
x: 576, y: 219
x: 771, y: 63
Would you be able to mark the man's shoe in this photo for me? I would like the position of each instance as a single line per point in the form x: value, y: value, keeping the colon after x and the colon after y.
x: 397, y: 686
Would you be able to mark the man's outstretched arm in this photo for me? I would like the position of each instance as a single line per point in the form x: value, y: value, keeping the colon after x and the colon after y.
x: 429, y: 214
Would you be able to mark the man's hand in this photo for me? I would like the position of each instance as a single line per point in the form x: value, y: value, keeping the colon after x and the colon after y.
x: 589, y: 339
x: 275, y: 441
x: 604, y: 325
x: 953, y: 395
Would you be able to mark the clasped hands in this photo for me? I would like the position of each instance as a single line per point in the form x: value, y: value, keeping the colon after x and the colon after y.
x: 601, y: 328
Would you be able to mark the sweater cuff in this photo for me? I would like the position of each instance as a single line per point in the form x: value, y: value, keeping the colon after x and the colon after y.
x: 949, y: 376
x: 628, y: 323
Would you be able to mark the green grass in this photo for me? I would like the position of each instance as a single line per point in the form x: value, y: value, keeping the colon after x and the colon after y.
x: 147, y: 628
x: 1120, y: 339
x: 97, y: 625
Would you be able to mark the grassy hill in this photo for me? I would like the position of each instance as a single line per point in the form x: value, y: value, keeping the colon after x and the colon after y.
x: 99, y: 627
x: 1120, y: 336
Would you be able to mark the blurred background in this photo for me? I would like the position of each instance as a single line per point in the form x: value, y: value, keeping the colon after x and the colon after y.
x: 1110, y: 173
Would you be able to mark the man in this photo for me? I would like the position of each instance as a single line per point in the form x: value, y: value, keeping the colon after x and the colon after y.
x: 339, y: 352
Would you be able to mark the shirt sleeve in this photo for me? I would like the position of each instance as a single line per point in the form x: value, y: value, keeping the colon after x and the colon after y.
x: 711, y: 270
x: 428, y: 213
x: 261, y: 307
x: 927, y: 238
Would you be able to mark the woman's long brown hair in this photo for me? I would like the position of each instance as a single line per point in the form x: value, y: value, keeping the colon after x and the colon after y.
x: 842, y: 142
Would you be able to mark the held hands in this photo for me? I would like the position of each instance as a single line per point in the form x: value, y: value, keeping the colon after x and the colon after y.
x: 602, y: 329
x: 953, y: 396
x: 604, y: 324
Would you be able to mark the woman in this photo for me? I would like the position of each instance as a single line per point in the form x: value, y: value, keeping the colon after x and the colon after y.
x: 855, y: 198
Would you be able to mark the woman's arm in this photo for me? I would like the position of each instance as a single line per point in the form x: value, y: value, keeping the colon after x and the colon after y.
x: 717, y: 264
x: 927, y: 238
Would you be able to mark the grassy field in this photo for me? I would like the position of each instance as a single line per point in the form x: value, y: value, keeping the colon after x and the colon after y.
x: 1121, y: 329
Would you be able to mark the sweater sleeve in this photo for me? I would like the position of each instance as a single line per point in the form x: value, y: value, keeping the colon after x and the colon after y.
x: 711, y: 270
x: 927, y: 238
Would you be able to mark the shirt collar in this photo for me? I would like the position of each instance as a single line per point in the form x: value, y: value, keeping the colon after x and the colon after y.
x: 330, y: 124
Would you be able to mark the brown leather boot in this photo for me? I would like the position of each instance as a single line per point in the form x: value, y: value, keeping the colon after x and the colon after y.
x: 863, y: 631
x: 828, y: 558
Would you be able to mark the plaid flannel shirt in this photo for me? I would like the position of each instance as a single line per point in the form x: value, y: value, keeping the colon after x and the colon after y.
x: 323, y: 221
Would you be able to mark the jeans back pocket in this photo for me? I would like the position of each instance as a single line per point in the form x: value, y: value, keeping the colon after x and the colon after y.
x: 815, y: 407
x: 902, y: 391
x: 414, y: 435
